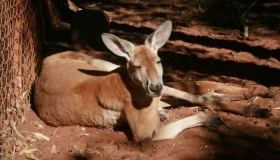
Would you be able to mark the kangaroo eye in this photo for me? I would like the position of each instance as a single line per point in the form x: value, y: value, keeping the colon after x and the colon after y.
x: 137, y: 66
x: 158, y: 62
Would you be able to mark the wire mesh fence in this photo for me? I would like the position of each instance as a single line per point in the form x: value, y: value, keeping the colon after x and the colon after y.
x: 21, y: 41
x: 25, y: 27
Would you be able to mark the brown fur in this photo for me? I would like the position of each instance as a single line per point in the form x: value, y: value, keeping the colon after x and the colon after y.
x: 70, y: 92
x: 74, y: 89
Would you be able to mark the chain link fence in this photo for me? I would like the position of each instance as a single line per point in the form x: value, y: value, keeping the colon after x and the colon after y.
x: 26, y: 26
x: 21, y: 43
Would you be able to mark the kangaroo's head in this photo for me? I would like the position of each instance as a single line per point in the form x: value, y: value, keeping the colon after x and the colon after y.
x: 143, y: 64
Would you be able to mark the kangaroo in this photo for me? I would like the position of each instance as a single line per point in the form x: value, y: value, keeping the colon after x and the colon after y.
x: 74, y: 89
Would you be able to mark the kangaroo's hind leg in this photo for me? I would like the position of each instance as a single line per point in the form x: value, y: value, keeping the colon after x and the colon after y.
x: 172, y: 129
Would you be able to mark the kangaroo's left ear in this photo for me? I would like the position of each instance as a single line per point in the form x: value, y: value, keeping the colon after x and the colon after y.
x: 160, y: 36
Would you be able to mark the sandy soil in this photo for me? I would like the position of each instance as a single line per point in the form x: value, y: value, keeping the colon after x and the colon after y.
x: 205, y: 44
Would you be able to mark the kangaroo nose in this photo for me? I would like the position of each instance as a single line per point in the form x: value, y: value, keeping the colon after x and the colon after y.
x: 156, y: 87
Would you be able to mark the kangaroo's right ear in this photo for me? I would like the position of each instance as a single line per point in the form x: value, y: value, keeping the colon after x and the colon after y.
x: 118, y: 46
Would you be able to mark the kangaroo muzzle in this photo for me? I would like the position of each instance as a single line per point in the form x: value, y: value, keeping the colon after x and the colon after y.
x: 155, y: 88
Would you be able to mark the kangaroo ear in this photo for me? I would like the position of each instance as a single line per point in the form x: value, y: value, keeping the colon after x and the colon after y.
x: 159, y: 37
x: 118, y: 46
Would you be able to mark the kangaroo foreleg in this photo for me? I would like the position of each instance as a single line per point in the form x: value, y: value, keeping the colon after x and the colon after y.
x: 231, y: 103
x: 204, y: 99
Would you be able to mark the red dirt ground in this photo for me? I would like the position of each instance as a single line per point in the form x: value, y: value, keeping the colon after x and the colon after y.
x: 205, y: 45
